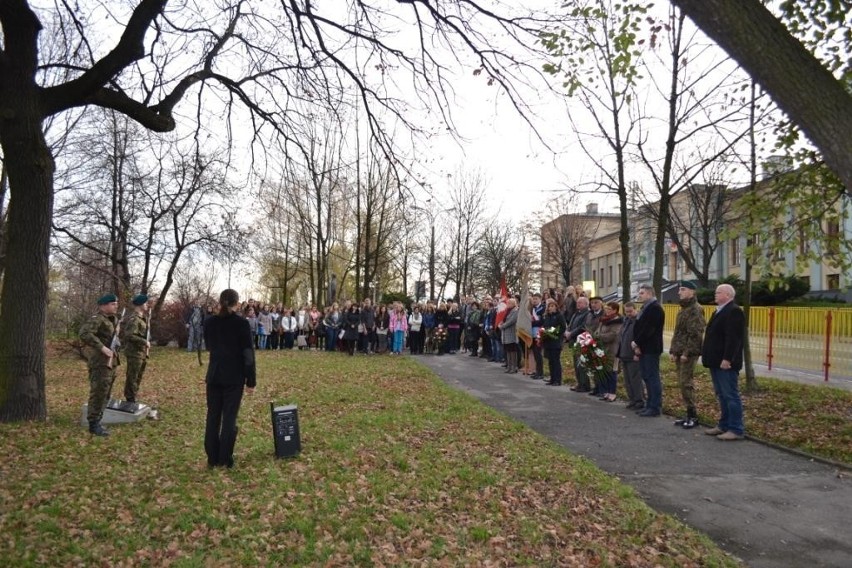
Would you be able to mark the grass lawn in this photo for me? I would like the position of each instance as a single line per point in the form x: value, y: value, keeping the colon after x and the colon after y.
x: 396, y: 469
x: 813, y: 419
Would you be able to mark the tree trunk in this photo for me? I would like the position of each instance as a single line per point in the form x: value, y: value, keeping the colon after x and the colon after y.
x: 25, y: 287
x: 800, y: 85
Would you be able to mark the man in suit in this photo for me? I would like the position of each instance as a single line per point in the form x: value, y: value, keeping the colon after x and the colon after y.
x: 648, y: 346
x: 723, y: 355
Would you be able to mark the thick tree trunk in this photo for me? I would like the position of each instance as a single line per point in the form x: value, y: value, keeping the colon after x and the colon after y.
x: 800, y: 85
x: 24, y: 296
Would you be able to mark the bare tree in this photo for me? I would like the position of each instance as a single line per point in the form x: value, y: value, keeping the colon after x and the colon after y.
x: 501, y: 254
x: 263, y: 57
x: 598, y: 54
x: 698, y: 111
x: 468, y: 195
x: 565, y: 239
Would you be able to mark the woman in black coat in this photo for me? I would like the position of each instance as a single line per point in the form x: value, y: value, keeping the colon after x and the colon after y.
x: 552, y: 343
x: 230, y: 371
x: 351, y: 319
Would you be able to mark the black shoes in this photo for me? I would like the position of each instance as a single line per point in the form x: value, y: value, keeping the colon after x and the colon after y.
x: 635, y: 405
x: 648, y: 413
x: 96, y: 429
x: 552, y: 384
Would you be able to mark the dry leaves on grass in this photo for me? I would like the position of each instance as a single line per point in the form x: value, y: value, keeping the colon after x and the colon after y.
x: 396, y: 469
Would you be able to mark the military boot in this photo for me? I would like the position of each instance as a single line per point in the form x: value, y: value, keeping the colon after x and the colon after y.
x: 691, y: 419
x: 96, y: 429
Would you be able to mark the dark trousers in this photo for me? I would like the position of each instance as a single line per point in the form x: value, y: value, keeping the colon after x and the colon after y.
x: 415, y: 342
x: 539, y: 364
x: 554, y: 361
x: 220, y: 434
x: 453, y: 339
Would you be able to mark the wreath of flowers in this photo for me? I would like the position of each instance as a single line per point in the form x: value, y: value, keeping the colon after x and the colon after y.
x: 591, y: 356
x: 439, y: 336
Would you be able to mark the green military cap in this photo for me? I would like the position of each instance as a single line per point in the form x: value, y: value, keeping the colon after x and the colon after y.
x: 107, y: 299
x: 139, y: 299
x: 688, y: 284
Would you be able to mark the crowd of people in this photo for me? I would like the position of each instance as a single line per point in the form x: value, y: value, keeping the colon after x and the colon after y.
x: 628, y: 338
x: 603, y: 341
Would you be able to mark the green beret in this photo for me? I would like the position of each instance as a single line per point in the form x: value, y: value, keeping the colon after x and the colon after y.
x: 107, y: 299
x: 139, y: 299
x: 687, y: 284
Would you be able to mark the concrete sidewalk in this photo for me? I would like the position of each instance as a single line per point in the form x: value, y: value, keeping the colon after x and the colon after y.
x: 765, y: 506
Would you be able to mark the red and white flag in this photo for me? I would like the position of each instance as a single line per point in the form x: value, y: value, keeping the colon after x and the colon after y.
x: 501, y: 305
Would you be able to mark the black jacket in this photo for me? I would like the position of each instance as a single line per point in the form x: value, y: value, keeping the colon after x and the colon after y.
x: 228, y: 337
x: 556, y: 320
x: 648, y: 329
x: 723, y: 339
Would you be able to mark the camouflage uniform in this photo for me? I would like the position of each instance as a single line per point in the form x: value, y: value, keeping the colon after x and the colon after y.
x: 96, y: 334
x: 134, y: 342
x: 687, y: 340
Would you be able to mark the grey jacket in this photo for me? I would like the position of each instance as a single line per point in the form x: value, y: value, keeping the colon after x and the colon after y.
x: 510, y: 327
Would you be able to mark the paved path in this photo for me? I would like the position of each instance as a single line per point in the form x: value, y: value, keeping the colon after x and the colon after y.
x: 765, y: 506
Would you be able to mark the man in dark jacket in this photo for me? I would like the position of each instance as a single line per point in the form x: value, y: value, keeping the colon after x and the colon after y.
x: 648, y: 345
x: 723, y: 355
x: 576, y: 326
x: 629, y: 361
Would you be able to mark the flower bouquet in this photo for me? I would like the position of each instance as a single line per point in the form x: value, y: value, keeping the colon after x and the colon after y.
x: 546, y: 334
x: 591, y: 356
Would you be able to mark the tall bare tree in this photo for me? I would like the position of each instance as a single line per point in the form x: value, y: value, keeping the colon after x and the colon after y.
x: 565, y: 239
x: 598, y: 55
x: 250, y: 55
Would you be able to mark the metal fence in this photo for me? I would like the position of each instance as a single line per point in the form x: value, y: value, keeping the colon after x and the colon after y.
x: 811, y: 339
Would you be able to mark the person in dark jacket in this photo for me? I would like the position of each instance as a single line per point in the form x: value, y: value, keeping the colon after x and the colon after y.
x: 553, y: 327
x: 722, y: 353
x: 351, y: 319
x: 629, y: 361
x: 231, y: 371
x: 648, y: 345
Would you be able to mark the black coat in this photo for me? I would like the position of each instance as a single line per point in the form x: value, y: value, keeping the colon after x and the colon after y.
x: 723, y: 339
x: 648, y: 329
x: 351, y: 319
x: 556, y: 320
x: 228, y: 337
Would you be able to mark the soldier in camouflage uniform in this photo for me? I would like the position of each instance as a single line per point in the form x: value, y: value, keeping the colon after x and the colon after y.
x: 97, y: 336
x: 686, y: 347
x: 134, y: 340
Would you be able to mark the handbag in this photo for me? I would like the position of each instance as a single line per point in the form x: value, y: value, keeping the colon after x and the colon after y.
x: 382, y: 331
x: 362, y: 328
x: 341, y: 334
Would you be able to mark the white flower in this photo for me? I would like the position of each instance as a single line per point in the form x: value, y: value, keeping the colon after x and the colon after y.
x: 599, y: 352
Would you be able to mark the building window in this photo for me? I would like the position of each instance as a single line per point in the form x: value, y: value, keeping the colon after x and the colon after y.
x: 804, y: 245
x: 609, y: 280
x: 832, y: 231
x: 833, y: 282
x: 779, y: 243
x: 594, y: 275
x: 735, y: 252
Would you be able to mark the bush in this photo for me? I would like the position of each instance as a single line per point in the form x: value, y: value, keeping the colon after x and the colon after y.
x: 169, y: 325
x: 766, y: 292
